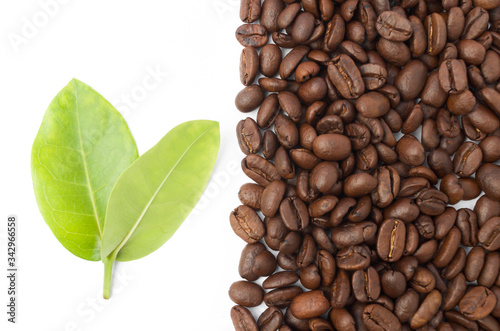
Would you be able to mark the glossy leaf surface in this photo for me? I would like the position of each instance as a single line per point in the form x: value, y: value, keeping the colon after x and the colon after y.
x: 81, y: 149
x: 157, y: 192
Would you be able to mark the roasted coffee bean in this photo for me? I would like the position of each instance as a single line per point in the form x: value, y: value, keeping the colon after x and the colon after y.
x: 366, y: 284
x: 346, y: 77
x: 250, y: 10
x: 270, y: 319
x: 377, y: 317
x: 242, y: 318
x: 271, y: 197
x: 281, y: 297
x: 252, y: 35
x: 489, y: 234
x: 391, y: 240
x: 280, y: 279
x: 256, y: 261
x: 360, y: 184
x: 249, y: 98
x: 422, y: 280
x: 247, y: 224
x: 477, y: 303
x: 332, y: 147
x: 246, y: 294
x: 411, y: 79
x: 249, y: 65
x: 259, y: 169
x: 294, y: 214
x: 249, y: 137
x: 428, y: 308
x: 387, y: 187
x: 276, y: 232
x: 410, y: 150
x: 372, y: 104
x: 309, y: 305
x: 353, y: 233
x: 324, y: 176
x: 436, y: 33
x: 456, y: 290
x: 453, y: 76
x: 250, y: 194
x: 487, y: 177
x: 268, y: 111
x: 489, y: 273
x: 284, y: 165
x: 353, y: 257
x: 440, y: 162
x: 432, y: 202
x: 392, y: 26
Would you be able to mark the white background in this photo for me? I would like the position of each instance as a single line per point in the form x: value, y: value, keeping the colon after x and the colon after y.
x: 113, y: 46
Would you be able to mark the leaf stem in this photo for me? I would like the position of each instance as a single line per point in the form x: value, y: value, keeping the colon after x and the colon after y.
x: 108, y: 270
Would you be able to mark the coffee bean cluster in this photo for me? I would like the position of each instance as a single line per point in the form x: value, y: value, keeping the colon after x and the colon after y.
x: 374, y: 118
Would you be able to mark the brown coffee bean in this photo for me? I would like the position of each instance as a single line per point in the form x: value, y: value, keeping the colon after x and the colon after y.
x: 395, y: 52
x: 490, y: 270
x: 471, y: 51
x: 432, y: 202
x: 487, y: 176
x: 392, y: 26
x: 271, y: 197
x: 332, y: 147
x: 477, y: 303
x: 250, y: 195
x: 489, y: 146
x: 280, y: 279
x: 377, y: 317
x: 249, y: 65
x: 366, y: 284
x: 292, y: 60
x: 346, y: 77
x: 249, y: 98
x: 247, y: 224
x: 476, y: 22
x: 410, y: 150
x: 406, y: 305
x: 428, y: 308
x: 453, y: 76
x: 253, y: 35
x: 281, y: 297
x: 440, y: 162
x: 242, y: 318
x: 246, y: 294
x: 259, y: 169
x: 391, y: 240
x: 294, y: 214
x: 423, y: 280
x: 249, y: 137
x: 309, y: 305
x: 284, y: 165
x: 270, y: 319
x: 489, y: 234
x: 373, y: 104
x: 387, y: 187
x: 256, y: 261
x: 436, y: 32
x: 411, y: 79
x: 353, y: 257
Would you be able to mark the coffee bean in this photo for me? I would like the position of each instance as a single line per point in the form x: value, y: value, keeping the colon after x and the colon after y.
x: 249, y: 137
x: 489, y: 235
x: 294, y: 214
x: 280, y: 279
x: 246, y: 294
x: 250, y: 10
x: 270, y: 319
x: 259, y: 169
x: 242, y: 318
x: 366, y: 284
x: 477, y: 303
x: 411, y: 79
x: 281, y: 297
x: 271, y: 197
x: 391, y: 240
x: 372, y: 104
x: 332, y: 147
x: 436, y: 32
x: 487, y: 176
x: 453, y: 76
x: 247, y: 224
x: 428, y: 308
x: 353, y: 258
x: 346, y: 77
x: 249, y: 65
x: 342, y: 320
x: 392, y: 26
x: 378, y: 317
x: 253, y: 35
x: 309, y: 305
x: 249, y: 98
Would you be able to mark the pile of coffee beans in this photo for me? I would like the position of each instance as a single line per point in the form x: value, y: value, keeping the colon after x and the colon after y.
x: 374, y: 118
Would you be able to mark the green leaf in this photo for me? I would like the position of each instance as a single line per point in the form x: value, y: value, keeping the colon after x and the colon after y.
x: 156, y: 193
x: 81, y: 149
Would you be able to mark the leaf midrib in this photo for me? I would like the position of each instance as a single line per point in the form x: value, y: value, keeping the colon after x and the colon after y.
x: 89, y: 186
x: 144, y: 211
